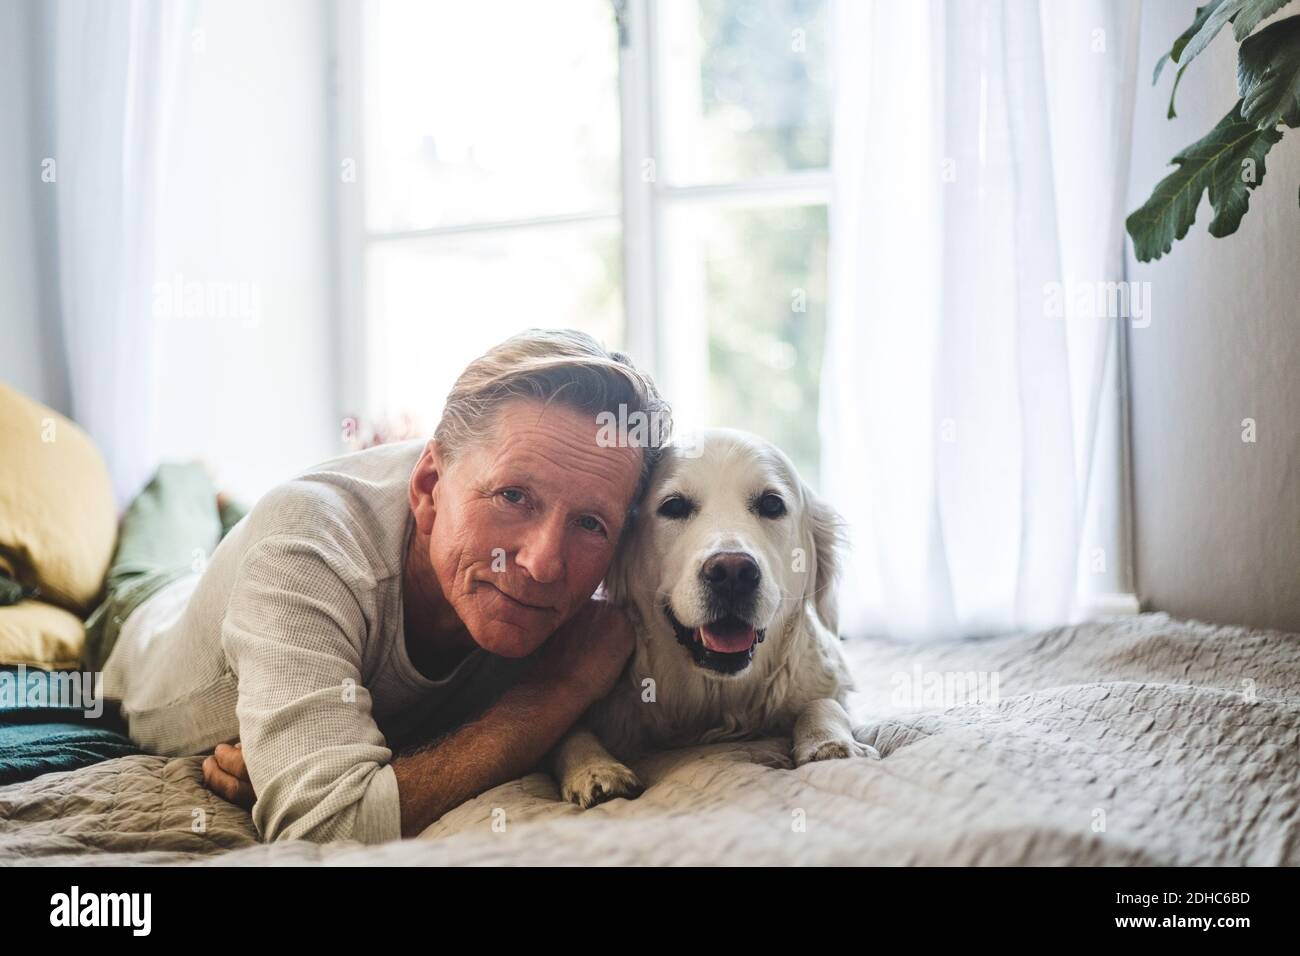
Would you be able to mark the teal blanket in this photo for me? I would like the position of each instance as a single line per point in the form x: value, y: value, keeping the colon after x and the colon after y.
x: 31, y: 749
x: 39, y: 733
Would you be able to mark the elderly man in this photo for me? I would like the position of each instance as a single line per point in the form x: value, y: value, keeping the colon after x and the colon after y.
x: 429, y: 600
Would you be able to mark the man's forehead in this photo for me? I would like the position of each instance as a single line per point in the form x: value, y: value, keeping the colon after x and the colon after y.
x: 573, y: 465
x: 527, y: 446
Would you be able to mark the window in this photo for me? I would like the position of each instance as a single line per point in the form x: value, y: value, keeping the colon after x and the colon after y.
x: 652, y: 172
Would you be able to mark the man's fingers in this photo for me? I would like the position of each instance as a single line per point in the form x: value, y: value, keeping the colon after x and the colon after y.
x: 231, y: 760
x: 226, y: 786
x: 217, y: 780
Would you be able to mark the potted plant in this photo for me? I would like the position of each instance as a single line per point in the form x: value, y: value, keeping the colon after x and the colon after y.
x: 1229, y: 160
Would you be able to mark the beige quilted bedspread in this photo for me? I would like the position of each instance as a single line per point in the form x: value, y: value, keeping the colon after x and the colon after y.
x: 1144, y: 740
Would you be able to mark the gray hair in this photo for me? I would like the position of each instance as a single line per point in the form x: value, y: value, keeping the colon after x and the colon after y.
x: 560, y: 365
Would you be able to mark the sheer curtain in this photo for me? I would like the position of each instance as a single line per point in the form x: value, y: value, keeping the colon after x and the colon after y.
x: 971, y: 406
x: 118, y: 74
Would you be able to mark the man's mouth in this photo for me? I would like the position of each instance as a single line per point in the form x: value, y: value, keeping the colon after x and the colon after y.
x: 514, y: 600
x: 725, y: 645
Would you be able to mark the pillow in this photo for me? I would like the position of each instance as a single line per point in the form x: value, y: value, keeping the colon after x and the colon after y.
x: 58, y: 519
x: 41, y: 635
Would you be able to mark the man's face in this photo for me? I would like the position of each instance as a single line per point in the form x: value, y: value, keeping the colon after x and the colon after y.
x: 523, y: 526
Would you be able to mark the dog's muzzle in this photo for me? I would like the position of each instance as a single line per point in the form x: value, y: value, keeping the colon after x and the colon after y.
x: 725, y: 645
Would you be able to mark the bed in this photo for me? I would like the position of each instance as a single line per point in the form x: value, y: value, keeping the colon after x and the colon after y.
x: 1135, y: 741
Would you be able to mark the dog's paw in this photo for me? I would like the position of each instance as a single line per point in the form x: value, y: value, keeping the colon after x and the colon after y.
x: 838, y: 748
x: 601, y: 782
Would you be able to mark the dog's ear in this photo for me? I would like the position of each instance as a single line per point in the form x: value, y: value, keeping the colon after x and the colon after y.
x: 615, y: 584
x: 827, y: 539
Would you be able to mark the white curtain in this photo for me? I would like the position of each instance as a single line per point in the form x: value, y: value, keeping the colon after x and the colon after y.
x: 971, y: 406
x: 118, y: 73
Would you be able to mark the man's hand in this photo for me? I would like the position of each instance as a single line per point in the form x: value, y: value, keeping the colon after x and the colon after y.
x: 225, y: 775
x: 576, y: 666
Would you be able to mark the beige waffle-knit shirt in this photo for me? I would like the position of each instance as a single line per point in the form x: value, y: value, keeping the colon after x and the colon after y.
x: 291, y: 639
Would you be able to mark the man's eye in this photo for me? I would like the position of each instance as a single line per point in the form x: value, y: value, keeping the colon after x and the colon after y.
x: 771, y: 505
x: 588, y: 523
x: 675, y: 507
x: 513, y: 495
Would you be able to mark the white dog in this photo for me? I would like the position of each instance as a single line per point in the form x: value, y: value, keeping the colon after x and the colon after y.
x: 729, y: 577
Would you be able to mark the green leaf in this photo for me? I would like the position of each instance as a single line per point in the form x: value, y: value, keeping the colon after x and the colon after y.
x: 1252, y: 14
x: 1178, y: 78
x: 1214, y: 163
x: 1250, y: 11
x: 1268, y: 73
x: 1202, y: 14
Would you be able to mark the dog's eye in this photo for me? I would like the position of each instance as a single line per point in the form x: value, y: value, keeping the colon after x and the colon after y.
x: 771, y: 505
x: 675, y: 507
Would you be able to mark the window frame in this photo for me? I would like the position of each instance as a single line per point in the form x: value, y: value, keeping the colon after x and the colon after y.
x: 645, y: 200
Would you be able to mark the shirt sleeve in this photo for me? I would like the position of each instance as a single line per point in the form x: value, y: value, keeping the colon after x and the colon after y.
x: 293, y: 634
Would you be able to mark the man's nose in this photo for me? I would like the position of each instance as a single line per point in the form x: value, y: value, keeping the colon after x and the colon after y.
x: 730, y: 573
x: 542, y: 555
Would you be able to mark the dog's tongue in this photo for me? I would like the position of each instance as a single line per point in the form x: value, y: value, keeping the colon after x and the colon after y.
x: 728, y: 637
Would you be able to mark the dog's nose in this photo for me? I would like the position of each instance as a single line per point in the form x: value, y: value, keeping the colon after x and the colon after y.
x: 731, y: 572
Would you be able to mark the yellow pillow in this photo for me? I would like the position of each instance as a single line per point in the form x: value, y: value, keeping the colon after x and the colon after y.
x: 58, y: 520
x: 40, y: 635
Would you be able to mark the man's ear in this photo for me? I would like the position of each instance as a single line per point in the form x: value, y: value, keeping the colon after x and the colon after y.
x: 424, y: 479
x: 827, y: 539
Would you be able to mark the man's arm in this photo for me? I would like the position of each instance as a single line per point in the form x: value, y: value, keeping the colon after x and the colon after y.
x: 575, y: 667
x: 318, y: 763
x: 294, y: 635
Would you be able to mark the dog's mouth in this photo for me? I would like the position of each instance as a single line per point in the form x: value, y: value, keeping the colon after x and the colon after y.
x: 725, y: 645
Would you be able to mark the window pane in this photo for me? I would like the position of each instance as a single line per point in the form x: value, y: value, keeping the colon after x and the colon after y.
x: 745, y: 87
x: 436, y: 304
x: 746, y: 314
x: 495, y: 109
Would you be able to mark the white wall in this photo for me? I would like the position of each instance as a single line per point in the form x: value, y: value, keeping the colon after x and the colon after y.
x: 1217, y: 519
